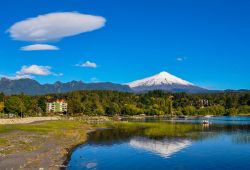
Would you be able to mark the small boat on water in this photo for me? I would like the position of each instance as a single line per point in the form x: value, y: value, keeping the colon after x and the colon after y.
x: 182, y: 117
x: 205, y: 122
x: 207, y: 116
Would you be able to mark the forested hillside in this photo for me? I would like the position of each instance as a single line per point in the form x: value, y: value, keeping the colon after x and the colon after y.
x: 122, y: 103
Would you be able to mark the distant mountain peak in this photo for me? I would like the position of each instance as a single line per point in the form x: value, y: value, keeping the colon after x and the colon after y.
x: 162, y: 78
x: 164, y: 81
x: 4, y: 79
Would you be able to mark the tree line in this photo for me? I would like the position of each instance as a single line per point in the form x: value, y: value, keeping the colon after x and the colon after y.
x: 121, y: 103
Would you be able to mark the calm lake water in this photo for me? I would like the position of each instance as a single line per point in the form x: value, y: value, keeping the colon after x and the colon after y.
x: 182, y: 144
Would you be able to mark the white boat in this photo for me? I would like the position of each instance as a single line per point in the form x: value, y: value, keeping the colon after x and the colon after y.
x: 205, y: 122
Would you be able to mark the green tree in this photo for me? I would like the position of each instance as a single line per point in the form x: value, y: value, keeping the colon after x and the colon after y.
x: 245, y: 99
x: 231, y: 111
x: 131, y: 109
x: 1, y: 107
x: 178, y: 111
x: 1, y: 97
x: 74, y: 103
x: 245, y: 109
x: 42, y: 103
x: 15, y: 105
x: 189, y: 110
x: 113, y: 109
x: 32, y: 109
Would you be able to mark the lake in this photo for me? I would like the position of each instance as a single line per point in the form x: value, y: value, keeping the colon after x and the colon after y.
x: 164, y: 144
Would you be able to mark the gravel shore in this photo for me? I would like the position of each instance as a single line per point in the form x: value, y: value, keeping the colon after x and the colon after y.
x: 26, y: 120
x: 42, y: 144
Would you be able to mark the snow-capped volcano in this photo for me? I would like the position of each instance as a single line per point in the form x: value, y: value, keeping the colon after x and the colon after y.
x: 164, y: 81
x: 163, y: 78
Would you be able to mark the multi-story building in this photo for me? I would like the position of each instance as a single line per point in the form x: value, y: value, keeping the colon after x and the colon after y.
x: 203, y: 103
x: 56, y: 106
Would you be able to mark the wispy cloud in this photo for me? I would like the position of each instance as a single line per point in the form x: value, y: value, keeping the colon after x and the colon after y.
x: 55, y: 26
x: 181, y: 58
x: 87, y: 64
x: 94, y: 80
x: 39, y: 47
x: 57, y: 74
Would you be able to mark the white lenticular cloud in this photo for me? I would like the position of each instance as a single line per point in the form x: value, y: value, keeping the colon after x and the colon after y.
x: 55, y: 26
x: 179, y: 59
x: 39, y: 47
x: 87, y: 64
x: 35, y: 70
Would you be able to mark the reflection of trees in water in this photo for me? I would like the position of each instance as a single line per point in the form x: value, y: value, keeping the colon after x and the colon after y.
x: 124, y: 131
x: 229, y: 127
x: 109, y: 136
x: 241, y: 138
x: 239, y: 133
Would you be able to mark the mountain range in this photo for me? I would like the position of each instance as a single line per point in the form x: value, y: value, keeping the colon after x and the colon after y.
x: 162, y: 81
x: 32, y: 87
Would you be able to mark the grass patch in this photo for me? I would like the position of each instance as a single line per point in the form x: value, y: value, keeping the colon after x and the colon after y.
x: 44, y: 127
x: 3, y: 141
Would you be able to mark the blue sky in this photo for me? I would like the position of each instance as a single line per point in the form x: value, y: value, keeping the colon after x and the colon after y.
x: 205, y: 42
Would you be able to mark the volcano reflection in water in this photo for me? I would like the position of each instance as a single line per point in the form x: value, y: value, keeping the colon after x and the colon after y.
x: 164, y: 148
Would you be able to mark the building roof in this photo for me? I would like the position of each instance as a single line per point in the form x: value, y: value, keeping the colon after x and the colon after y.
x: 56, y: 101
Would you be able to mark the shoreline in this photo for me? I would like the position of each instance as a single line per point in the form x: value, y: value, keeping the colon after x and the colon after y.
x: 68, y: 156
x: 27, y: 120
x: 91, y: 119
x: 43, y: 144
